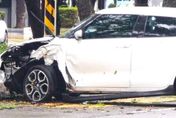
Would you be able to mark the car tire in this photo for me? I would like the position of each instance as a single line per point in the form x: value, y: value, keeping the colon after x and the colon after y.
x: 38, y: 85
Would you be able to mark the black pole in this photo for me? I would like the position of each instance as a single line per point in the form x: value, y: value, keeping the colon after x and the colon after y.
x: 101, y: 4
x: 58, y: 20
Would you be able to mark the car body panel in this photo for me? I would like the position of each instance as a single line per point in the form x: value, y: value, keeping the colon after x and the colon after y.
x: 101, y: 62
x: 116, y: 64
x: 139, y: 67
x: 153, y: 62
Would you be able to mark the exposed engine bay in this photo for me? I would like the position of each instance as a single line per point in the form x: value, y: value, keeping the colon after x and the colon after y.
x: 16, y: 58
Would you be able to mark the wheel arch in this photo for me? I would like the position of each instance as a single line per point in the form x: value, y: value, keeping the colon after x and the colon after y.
x: 21, y: 73
x: 16, y: 83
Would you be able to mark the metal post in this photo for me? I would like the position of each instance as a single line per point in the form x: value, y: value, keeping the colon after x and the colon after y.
x: 50, y: 17
x: 55, y: 21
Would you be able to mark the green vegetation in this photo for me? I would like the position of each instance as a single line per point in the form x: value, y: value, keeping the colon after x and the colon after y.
x: 7, y: 106
x: 112, y: 5
x: 3, y: 47
x: 63, y: 31
x: 2, y: 15
x: 99, y: 104
x: 69, y: 16
x: 146, y: 100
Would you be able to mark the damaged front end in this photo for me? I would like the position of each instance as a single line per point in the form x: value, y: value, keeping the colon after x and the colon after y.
x: 15, y: 62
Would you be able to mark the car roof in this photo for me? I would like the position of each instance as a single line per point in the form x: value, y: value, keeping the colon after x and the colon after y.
x: 149, y: 11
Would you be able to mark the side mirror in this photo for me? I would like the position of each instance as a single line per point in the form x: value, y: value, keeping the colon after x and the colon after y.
x: 78, y: 34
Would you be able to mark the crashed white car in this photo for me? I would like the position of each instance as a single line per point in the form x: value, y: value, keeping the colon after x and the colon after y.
x: 3, y: 32
x: 115, y: 50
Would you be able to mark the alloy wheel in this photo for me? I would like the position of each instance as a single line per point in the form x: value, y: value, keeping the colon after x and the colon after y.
x: 36, y: 85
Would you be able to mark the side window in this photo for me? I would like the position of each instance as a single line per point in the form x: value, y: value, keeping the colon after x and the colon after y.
x: 160, y: 26
x: 110, y: 26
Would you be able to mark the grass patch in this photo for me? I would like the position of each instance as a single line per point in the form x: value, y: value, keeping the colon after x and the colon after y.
x: 69, y: 105
x: 99, y: 105
x: 63, y: 31
x: 12, y: 104
x: 7, y: 106
x: 3, y: 47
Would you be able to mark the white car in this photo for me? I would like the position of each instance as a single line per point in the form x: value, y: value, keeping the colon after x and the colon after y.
x: 3, y: 31
x: 115, y: 50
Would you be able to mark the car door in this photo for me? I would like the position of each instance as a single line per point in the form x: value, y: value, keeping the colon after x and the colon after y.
x: 153, y: 62
x: 102, y: 59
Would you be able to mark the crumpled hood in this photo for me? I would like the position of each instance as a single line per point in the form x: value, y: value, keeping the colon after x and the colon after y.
x: 48, y: 51
x: 54, y: 50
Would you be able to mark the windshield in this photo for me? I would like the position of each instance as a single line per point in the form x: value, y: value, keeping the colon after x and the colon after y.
x: 76, y: 26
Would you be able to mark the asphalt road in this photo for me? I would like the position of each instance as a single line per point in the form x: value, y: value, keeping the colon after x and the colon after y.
x: 105, y: 112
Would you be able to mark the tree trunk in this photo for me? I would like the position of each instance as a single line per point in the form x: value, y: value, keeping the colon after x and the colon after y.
x: 85, y: 8
x: 169, y: 3
x: 36, y: 18
x: 20, y: 13
x: 141, y: 2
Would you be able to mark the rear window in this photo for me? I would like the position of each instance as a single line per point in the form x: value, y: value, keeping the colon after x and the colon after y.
x: 160, y: 26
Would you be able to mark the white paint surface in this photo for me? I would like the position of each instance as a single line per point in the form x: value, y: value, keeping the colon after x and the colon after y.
x: 115, y: 64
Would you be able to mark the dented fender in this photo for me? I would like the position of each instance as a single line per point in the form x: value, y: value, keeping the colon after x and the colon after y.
x: 50, y: 53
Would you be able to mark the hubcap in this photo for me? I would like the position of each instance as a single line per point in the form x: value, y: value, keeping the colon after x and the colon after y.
x: 36, y: 85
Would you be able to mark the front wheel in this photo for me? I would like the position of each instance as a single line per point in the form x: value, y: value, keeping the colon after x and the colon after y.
x: 38, y: 84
